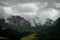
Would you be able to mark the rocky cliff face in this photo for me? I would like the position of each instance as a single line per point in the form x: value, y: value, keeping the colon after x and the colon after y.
x: 2, y: 20
x: 57, y: 23
x: 18, y: 21
x: 49, y: 22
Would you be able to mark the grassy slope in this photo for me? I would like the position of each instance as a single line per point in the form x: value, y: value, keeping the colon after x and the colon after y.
x: 30, y: 37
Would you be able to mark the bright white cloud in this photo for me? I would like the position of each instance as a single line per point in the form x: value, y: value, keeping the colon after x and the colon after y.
x: 53, y: 14
x: 8, y: 10
x: 30, y: 5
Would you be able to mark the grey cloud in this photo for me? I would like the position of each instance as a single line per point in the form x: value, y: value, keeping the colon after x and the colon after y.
x: 26, y: 9
x: 2, y: 13
x: 15, y: 2
x: 58, y: 1
x: 2, y: 4
x: 26, y: 1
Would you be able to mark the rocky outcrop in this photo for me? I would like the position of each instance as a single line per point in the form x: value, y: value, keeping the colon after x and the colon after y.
x: 18, y: 21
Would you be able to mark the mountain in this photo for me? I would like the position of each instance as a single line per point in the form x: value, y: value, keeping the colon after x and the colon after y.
x: 17, y: 20
x: 49, y: 22
x: 15, y: 28
x: 50, y: 33
x: 2, y: 20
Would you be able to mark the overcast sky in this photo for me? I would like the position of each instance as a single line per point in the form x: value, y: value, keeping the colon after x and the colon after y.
x: 35, y: 11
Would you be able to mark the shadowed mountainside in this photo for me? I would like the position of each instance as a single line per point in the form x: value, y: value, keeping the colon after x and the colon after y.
x: 50, y: 33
